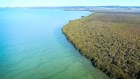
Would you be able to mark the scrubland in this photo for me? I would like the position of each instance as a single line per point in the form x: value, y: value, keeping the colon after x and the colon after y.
x: 110, y: 40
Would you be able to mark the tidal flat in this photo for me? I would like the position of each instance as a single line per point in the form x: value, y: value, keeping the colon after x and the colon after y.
x: 110, y: 40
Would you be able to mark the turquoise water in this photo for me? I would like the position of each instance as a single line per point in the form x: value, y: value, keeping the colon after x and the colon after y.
x: 32, y: 46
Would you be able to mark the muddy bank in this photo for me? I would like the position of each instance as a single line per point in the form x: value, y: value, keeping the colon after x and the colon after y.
x: 111, y: 41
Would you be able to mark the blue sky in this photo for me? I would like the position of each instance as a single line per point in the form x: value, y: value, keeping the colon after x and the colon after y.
x: 13, y: 3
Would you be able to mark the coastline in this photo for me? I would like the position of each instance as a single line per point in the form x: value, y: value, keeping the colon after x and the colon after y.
x: 110, y: 69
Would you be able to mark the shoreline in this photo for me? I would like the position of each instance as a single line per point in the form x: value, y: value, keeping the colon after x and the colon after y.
x: 92, y: 60
x: 95, y: 61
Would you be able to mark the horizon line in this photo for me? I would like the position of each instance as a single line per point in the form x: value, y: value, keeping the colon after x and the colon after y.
x: 72, y: 6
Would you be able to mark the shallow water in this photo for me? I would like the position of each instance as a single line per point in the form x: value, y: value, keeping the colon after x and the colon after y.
x: 32, y: 46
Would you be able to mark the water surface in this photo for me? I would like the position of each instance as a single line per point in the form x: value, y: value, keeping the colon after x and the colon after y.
x: 32, y: 46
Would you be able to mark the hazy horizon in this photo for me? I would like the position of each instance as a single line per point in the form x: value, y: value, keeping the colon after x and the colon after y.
x: 61, y: 6
x: 55, y: 3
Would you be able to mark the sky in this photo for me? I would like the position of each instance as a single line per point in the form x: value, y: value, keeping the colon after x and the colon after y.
x: 26, y: 3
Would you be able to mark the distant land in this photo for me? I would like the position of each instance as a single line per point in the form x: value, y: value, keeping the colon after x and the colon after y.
x: 100, y: 9
x: 126, y: 9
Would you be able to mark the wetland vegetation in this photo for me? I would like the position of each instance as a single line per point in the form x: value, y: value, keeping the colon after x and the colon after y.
x: 110, y: 40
